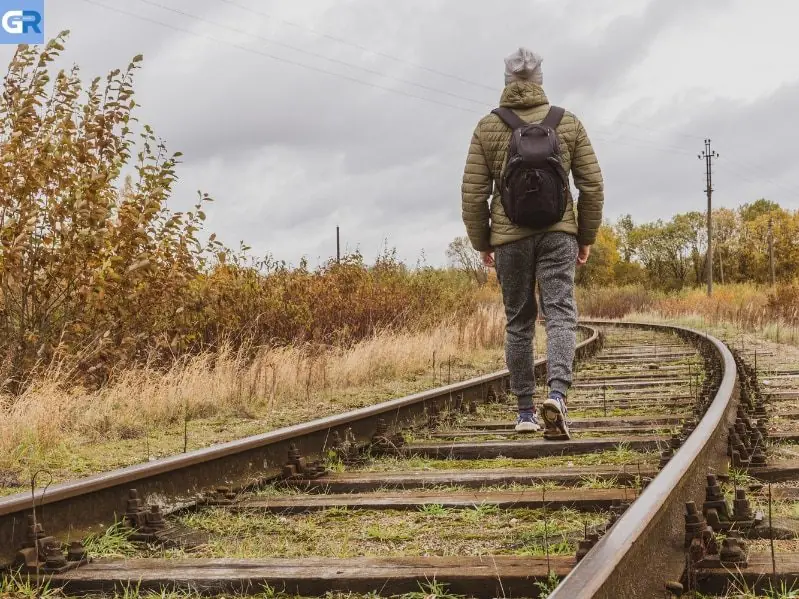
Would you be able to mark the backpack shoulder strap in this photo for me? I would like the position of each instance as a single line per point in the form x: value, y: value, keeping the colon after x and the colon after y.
x: 514, y: 121
x: 554, y: 117
x: 510, y: 118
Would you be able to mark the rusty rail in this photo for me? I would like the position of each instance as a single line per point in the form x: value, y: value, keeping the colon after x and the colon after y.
x: 644, y: 549
x: 75, y: 507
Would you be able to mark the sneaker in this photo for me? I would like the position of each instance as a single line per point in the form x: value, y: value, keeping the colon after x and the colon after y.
x: 555, y: 415
x: 527, y: 422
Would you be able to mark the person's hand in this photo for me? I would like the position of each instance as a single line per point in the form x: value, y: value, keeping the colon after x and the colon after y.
x: 583, y: 254
x: 488, y: 259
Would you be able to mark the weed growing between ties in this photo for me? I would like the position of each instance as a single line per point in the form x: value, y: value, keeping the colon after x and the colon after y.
x: 587, y: 482
x: 112, y: 543
x: 339, y: 532
x: 621, y: 455
x: 430, y: 589
x: 740, y: 589
x: 512, y: 436
x: 432, y: 530
x: 16, y: 586
x: 545, y: 587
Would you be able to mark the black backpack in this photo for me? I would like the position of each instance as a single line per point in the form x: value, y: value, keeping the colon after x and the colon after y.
x: 534, y: 186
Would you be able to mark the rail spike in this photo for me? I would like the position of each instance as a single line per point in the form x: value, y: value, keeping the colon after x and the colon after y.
x: 45, y: 554
x: 147, y: 525
x: 733, y: 552
x: 383, y: 442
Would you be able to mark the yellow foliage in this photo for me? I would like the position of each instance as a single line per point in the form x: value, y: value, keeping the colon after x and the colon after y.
x: 97, y: 274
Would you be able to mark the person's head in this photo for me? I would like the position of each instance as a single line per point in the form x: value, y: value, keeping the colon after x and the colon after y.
x: 524, y: 65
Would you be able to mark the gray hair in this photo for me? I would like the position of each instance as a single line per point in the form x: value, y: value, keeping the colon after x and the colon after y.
x: 524, y: 65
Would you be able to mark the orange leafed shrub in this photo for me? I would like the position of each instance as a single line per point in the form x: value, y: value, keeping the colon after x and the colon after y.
x: 97, y: 274
x: 336, y: 304
x: 752, y: 307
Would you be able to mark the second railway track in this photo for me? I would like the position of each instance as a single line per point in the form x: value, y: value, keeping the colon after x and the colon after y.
x: 433, y: 487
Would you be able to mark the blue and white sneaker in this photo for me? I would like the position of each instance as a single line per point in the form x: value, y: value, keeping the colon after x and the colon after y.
x: 555, y: 415
x: 527, y: 422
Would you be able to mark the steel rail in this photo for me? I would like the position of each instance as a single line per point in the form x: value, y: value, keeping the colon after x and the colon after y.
x: 644, y: 549
x: 74, y: 507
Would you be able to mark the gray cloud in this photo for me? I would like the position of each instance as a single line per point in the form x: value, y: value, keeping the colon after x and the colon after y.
x: 289, y: 153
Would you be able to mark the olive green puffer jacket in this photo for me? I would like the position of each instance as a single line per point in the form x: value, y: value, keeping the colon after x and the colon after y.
x: 489, y: 227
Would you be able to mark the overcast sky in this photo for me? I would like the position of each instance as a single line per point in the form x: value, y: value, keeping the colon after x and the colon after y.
x: 291, y: 151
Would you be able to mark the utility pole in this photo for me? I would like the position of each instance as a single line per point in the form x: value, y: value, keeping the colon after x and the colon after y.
x: 338, y: 246
x: 771, y: 251
x: 708, y: 155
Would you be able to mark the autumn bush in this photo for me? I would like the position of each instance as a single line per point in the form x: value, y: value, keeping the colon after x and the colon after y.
x: 614, y: 302
x: 97, y: 274
x: 747, y: 306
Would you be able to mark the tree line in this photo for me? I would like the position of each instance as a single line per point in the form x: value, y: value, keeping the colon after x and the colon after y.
x: 671, y: 255
x: 97, y: 273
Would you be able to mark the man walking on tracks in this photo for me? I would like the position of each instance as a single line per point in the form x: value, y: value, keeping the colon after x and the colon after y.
x: 532, y: 231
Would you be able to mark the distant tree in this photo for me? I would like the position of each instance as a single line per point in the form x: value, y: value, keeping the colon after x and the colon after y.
x: 750, y: 212
x: 463, y: 257
x: 665, y: 251
x: 785, y: 227
x: 691, y: 227
x: 672, y: 254
x: 726, y: 226
x: 601, y: 268
x: 623, y: 229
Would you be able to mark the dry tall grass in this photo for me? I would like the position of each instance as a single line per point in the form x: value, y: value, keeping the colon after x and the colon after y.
x: 281, y: 384
x: 773, y: 314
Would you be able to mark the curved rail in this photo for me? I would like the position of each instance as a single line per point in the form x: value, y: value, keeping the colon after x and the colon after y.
x: 78, y: 505
x: 644, y: 549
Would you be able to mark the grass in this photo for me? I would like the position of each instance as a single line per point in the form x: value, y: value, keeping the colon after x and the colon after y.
x: 431, y: 590
x: 586, y: 482
x: 433, y: 530
x: 435, y: 510
x: 545, y: 587
x: 112, y: 543
x: 513, y: 436
x: 620, y: 455
x: 740, y: 589
x: 223, y: 396
x: 595, y: 482
x: 740, y: 478
x: 17, y: 586
x: 741, y: 306
x: 14, y: 585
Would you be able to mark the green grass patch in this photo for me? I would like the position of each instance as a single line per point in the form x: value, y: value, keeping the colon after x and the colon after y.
x: 621, y: 455
x: 432, y: 530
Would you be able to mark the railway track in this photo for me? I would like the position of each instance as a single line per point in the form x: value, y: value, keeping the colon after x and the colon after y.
x: 438, y: 487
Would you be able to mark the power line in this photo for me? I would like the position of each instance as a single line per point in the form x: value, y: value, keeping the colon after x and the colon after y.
x: 639, y: 143
x: 313, y: 54
x: 636, y: 143
x: 371, y: 71
x: 284, y: 60
x: 617, y: 139
x: 359, y: 46
x: 657, y: 130
x: 758, y: 173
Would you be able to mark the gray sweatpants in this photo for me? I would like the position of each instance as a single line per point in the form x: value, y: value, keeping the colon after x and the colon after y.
x: 549, y: 258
